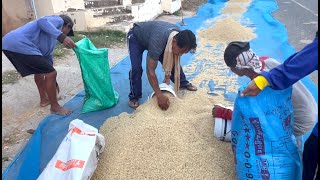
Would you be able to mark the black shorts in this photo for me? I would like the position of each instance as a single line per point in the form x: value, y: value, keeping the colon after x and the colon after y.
x: 29, y: 64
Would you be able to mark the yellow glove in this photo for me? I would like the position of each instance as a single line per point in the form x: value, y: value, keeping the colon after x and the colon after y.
x: 261, y: 82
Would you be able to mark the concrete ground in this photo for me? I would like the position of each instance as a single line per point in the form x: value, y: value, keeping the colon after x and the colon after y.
x: 301, y: 20
x: 20, y: 102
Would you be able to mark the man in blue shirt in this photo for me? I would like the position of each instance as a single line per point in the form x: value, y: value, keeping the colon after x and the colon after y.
x: 30, y: 50
x: 292, y: 70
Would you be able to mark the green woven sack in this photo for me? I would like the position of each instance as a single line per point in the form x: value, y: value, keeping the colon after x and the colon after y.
x: 95, y: 70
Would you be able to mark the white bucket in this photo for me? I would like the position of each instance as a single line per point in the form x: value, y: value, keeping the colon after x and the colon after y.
x: 222, y: 129
x: 164, y: 87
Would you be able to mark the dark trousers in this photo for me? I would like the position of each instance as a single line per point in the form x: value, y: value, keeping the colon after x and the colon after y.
x: 135, y: 74
x: 310, y: 158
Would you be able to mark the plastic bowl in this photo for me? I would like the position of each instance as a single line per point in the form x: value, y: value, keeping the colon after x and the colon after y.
x: 164, y: 87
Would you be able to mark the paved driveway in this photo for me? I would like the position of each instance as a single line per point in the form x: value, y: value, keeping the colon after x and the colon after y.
x: 301, y: 20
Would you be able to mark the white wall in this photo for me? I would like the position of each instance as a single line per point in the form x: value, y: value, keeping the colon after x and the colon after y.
x: 50, y: 7
x: 63, y: 5
x: 170, y: 6
x: 79, y: 19
x: 146, y: 11
x: 84, y: 20
x: 43, y: 7
x: 125, y: 2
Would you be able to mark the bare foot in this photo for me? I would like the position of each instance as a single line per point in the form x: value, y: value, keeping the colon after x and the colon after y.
x: 60, y: 111
x: 44, y: 102
x: 133, y: 103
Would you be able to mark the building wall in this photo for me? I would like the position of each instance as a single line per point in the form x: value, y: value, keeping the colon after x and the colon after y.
x: 150, y: 9
x: 84, y: 20
x: 59, y: 5
x: 15, y: 13
x: 147, y: 11
x: 50, y: 7
x: 44, y: 8
x: 64, y: 5
x: 171, y: 6
x: 125, y: 2
x: 79, y: 19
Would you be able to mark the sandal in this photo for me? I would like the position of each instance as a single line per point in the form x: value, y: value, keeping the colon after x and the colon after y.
x: 133, y: 104
x: 190, y: 87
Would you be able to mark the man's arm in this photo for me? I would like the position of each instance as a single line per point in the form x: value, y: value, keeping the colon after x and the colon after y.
x: 292, y: 70
x: 163, y: 101
x: 50, y: 24
x: 166, y: 79
x: 152, y: 77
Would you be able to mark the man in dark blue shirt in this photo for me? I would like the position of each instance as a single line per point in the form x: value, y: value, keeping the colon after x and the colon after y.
x: 154, y: 37
x: 30, y: 50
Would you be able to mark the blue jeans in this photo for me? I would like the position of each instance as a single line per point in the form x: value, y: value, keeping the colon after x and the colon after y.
x: 135, y: 52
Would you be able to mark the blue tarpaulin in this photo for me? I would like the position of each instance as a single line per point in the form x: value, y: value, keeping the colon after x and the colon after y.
x: 272, y: 40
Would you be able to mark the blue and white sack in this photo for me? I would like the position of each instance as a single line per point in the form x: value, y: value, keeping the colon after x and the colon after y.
x: 262, y: 136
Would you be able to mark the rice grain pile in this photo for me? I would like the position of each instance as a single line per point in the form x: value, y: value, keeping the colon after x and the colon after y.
x: 173, y: 144
x: 209, y: 64
x: 179, y: 143
x: 233, y: 8
x: 224, y: 31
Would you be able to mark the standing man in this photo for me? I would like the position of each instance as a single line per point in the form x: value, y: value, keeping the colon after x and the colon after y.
x: 165, y: 43
x: 30, y: 50
x: 292, y: 70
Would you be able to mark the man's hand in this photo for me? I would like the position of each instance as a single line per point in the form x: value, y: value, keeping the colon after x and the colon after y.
x: 68, y: 43
x: 167, y: 81
x: 251, y: 90
x: 163, y: 101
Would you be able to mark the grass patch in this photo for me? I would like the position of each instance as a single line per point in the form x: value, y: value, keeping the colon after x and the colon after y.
x: 103, y: 38
x: 59, y: 51
x: 10, y: 77
x: 100, y: 38
x: 177, y: 13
